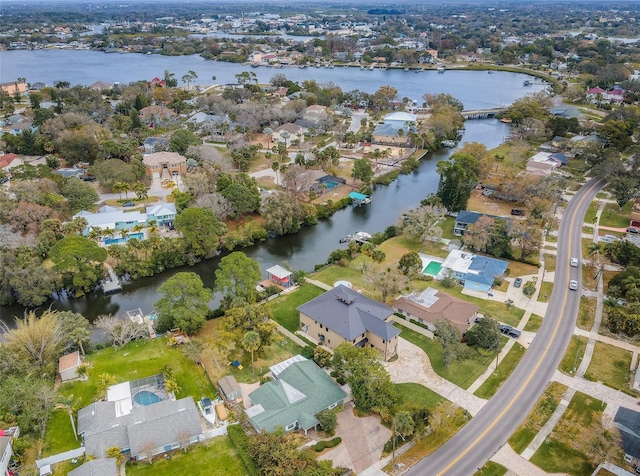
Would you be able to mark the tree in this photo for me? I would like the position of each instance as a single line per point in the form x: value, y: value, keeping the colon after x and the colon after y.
x: 77, y: 330
x: 115, y: 452
x: 80, y: 261
x: 328, y: 421
x: 238, y: 321
x: 200, y: 231
x: 410, y: 264
x: 457, y: 179
x: 103, y: 383
x: 362, y: 170
x: 193, y: 350
x: 449, y: 336
x: 250, y: 343
x: 484, y: 334
x: 190, y: 76
x: 121, y: 331
x: 369, y: 380
x: 182, y: 139
x: 29, y: 400
x: 37, y: 340
x: 403, y: 424
x: 386, y: 280
x: 70, y: 405
x: 283, y: 213
x: 80, y: 195
x: 423, y: 223
x: 237, y: 276
x: 184, y: 303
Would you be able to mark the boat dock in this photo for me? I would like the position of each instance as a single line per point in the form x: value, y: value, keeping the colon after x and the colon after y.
x: 359, y: 198
x: 111, y: 284
x: 359, y: 237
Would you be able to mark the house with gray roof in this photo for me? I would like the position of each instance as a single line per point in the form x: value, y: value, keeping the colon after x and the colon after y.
x: 298, y: 392
x: 97, y: 467
x: 344, y: 315
x: 628, y: 422
x: 474, y: 272
x: 134, y: 427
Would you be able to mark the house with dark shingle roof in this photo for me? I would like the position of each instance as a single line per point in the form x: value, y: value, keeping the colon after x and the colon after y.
x: 628, y: 422
x: 344, y: 315
x: 298, y: 392
x: 466, y: 218
x: 97, y: 467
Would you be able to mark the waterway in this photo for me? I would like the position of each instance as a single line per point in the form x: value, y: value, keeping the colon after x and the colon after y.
x: 312, y: 245
x: 476, y: 89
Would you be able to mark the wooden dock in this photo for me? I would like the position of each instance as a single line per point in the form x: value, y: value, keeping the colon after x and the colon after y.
x: 111, y: 284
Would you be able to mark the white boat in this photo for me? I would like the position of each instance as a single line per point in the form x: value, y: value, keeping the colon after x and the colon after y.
x: 371, y: 68
x: 440, y: 69
x: 448, y: 143
x: 361, y: 236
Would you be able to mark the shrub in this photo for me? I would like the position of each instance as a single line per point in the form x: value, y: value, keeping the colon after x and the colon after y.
x: 328, y: 421
x: 321, y: 445
x: 307, y: 352
x: 322, y: 357
x: 240, y: 441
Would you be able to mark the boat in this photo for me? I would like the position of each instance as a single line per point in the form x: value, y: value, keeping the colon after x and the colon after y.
x: 361, y: 67
x: 448, y: 143
x: 490, y: 72
x: 254, y: 65
x: 302, y: 66
x: 361, y: 236
x: 440, y: 69
x: 526, y: 82
x: 331, y: 66
x: 371, y: 68
x: 406, y: 69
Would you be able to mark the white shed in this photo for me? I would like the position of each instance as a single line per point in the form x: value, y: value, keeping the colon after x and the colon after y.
x: 68, y: 366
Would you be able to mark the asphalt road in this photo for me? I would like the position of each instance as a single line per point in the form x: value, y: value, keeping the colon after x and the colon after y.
x: 474, y: 444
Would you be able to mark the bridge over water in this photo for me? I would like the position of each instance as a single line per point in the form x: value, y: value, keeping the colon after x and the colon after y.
x: 483, y: 113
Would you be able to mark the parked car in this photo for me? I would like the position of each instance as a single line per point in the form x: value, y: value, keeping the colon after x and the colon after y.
x: 573, y: 285
x: 633, y: 230
x: 517, y: 212
x: 517, y: 283
x: 574, y: 262
x: 509, y: 331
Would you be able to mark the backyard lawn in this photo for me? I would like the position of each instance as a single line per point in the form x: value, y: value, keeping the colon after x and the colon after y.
x: 414, y: 394
x: 284, y: 307
x: 611, y: 365
x: 213, y: 457
x: 505, y: 367
x: 462, y: 373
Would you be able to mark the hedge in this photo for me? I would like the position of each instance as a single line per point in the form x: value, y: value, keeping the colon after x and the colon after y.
x: 321, y: 445
x: 240, y: 441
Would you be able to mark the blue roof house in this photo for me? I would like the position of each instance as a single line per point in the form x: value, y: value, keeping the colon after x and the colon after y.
x: 475, y: 272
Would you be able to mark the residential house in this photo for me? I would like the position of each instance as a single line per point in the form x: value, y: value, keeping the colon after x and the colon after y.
x: 466, y: 218
x: 18, y: 127
x: 71, y: 172
x: 155, y: 144
x: 163, y: 213
x: 634, y: 219
x: 13, y: 87
x: 97, y: 467
x: 6, y: 453
x: 599, y: 95
x: 288, y: 132
x: 8, y: 161
x: 628, y: 422
x: 214, y: 125
x: 230, y: 390
x: 139, y: 418
x: 165, y: 164
x: 636, y: 203
x: 157, y: 116
x: 431, y: 306
x: 540, y: 169
x: 343, y: 315
x: 475, y: 272
x: 109, y: 218
x: 298, y: 392
x: 68, y: 366
x: 101, y: 86
x: 394, y: 129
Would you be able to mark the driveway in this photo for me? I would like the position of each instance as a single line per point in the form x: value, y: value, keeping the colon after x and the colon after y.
x: 362, y: 441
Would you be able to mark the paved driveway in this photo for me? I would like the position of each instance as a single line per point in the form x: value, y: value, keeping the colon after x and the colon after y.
x: 362, y: 441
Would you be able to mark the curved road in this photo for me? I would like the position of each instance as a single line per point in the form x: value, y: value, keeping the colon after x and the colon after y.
x: 474, y: 444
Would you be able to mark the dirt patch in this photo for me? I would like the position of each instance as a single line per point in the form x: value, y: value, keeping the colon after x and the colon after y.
x: 483, y: 204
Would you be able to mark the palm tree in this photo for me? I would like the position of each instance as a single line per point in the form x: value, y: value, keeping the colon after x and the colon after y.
x: 70, y: 405
x: 120, y: 187
x: 275, y: 166
x: 108, y: 232
x: 251, y: 342
x: 141, y: 190
x: 285, y: 135
x: 94, y: 234
x: 123, y: 234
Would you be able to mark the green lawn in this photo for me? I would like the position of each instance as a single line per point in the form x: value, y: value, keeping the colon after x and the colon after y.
x: 135, y: 360
x: 545, y: 291
x: 506, y: 366
x: 611, y: 366
x: 590, y: 216
x: 491, y: 469
x: 573, y: 355
x: 534, y: 323
x: 563, y: 450
x: 415, y: 394
x: 614, y: 217
x: 280, y: 350
x: 537, y: 417
x: 215, y: 457
x: 284, y: 307
x: 447, y: 226
x: 462, y: 373
x: 586, y: 313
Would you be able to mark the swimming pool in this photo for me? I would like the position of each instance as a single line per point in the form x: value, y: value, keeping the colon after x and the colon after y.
x: 145, y: 397
x: 433, y: 268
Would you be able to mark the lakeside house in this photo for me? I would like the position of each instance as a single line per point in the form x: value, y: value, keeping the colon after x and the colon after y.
x: 394, y: 129
x: 344, y: 315
x: 298, y: 392
x: 474, y: 272
x: 431, y: 306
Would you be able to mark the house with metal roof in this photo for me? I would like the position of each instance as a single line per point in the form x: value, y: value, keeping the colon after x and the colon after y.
x: 344, y: 315
x: 475, y: 272
x: 298, y: 392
